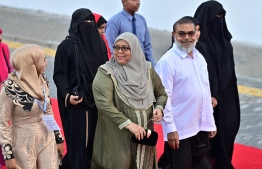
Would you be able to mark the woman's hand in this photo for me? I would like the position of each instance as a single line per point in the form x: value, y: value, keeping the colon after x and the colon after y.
x: 137, y: 130
x: 74, y: 100
x: 60, y: 148
x: 10, y: 164
x: 157, y: 114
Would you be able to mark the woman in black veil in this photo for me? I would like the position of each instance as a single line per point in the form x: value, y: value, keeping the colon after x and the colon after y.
x: 76, y: 62
x: 215, y: 34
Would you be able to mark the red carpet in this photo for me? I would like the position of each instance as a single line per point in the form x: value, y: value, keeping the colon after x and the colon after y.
x: 244, y: 157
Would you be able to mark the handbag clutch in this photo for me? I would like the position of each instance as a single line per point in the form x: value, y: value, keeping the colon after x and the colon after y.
x: 150, y: 141
x: 76, y: 91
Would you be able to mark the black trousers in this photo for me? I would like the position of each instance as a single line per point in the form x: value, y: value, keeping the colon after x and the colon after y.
x: 190, y: 153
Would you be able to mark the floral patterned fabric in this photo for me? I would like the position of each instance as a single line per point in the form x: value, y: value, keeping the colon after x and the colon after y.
x: 7, y: 151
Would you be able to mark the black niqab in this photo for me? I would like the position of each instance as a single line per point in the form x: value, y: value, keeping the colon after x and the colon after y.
x: 90, y: 52
x: 215, y: 34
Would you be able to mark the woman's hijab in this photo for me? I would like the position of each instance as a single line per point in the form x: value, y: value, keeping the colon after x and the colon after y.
x: 100, y: 20
x: 215, y: 34
x: 28, y: 62
x: 134, y: 83
x: 90, y: 53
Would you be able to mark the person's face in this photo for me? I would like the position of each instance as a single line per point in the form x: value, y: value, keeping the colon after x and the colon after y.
x: 131, y: 6
x: 197, y: 32
x: 102, y: 29
x: 122, y: 52
x: 0, y: 38
x: 185, y: 34
x: 44, y: 66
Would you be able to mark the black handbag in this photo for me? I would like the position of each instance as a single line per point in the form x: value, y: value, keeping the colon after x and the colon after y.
x: 76, y: 91
x: 150, y: 141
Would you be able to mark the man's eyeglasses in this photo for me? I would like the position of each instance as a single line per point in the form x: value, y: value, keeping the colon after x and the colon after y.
x: 123, y: 48
x: 182, y: 34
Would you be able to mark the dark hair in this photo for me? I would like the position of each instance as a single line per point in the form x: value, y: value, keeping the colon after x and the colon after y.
x: 182, y: 21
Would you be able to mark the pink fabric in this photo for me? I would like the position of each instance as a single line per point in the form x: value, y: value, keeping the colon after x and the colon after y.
x: 2, y: 161
x: 107, y: 47
x: 5, y: 66
x: 7, y: 57
x: 3, y: 76
x: 4, y: 70
x: 97, y: 16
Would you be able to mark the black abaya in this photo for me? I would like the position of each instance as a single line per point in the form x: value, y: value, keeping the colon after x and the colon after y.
x: 215, y: 34
x: 76, y: 62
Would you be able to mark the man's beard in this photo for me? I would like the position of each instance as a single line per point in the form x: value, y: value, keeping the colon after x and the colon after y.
x: 188, y: 49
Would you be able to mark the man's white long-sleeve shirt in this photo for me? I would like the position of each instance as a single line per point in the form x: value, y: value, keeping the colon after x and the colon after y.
x: 189, y: 108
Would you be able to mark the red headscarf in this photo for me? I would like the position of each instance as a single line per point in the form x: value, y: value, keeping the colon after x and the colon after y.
x: 97, y: 17
x: 5, y: 66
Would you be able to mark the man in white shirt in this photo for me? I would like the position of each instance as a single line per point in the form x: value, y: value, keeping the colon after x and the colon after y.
x: 188, y: 116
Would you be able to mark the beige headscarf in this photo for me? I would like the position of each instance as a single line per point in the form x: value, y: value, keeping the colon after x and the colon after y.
x: 28, y: 62
x: 134, y: 84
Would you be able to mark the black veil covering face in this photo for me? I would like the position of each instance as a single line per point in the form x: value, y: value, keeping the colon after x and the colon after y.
x: 76, y: 62
x: 90, y: 52
x: 215, y: 34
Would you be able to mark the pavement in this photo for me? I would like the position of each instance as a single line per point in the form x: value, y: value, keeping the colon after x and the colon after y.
x: 48, y: 30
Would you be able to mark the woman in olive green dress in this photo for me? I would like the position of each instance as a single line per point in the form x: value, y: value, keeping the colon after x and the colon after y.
x: 129, y: 96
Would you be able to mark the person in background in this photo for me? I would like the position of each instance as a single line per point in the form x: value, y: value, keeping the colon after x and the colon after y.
x: 215, y: 34
x: 129, y: 21
x: 76, y: 62
x: 24, y: 100
x: 188, y: 122
x: 5, y: 66
x: 101, y: 24
x: 129, y: 96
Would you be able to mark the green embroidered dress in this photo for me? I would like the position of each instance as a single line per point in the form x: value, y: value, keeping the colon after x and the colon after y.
x: 113, y: 148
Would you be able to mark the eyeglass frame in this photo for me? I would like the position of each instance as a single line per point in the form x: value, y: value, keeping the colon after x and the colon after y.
x: 122, y: 48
